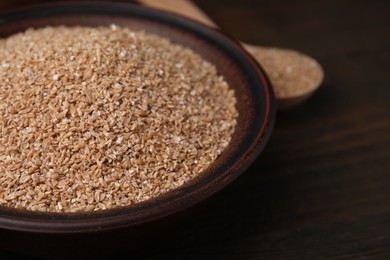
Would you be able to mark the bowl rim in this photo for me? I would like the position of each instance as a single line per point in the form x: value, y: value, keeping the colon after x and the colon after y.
x: 144, y: 212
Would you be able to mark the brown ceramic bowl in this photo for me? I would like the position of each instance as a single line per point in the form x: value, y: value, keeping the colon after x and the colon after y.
x: 21, y: 229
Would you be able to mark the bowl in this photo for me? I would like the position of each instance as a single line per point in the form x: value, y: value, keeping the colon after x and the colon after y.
x: 22, y: 230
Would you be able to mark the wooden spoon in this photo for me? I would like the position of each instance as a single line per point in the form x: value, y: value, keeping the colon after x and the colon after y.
x: 294, y: 75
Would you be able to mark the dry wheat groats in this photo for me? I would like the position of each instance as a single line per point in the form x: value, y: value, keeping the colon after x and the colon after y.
x: 292, y: 74
x: 95, y: 118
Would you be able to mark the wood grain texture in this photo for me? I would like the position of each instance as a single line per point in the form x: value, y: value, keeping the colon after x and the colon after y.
x: 321, y: 188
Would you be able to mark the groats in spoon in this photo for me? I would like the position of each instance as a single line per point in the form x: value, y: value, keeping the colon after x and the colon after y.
x: 294, y: 75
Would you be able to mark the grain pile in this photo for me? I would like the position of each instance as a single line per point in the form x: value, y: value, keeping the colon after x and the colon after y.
x: 291, y: 73
x: 96, y: 118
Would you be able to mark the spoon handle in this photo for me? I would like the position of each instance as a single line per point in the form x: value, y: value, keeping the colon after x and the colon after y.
x: 183, y: 7
x: 189, y: 9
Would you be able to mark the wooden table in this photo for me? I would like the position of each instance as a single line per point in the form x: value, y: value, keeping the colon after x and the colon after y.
x: 321, y: 189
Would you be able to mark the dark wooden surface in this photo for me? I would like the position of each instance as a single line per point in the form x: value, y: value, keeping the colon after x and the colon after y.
x: 321, y: 189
